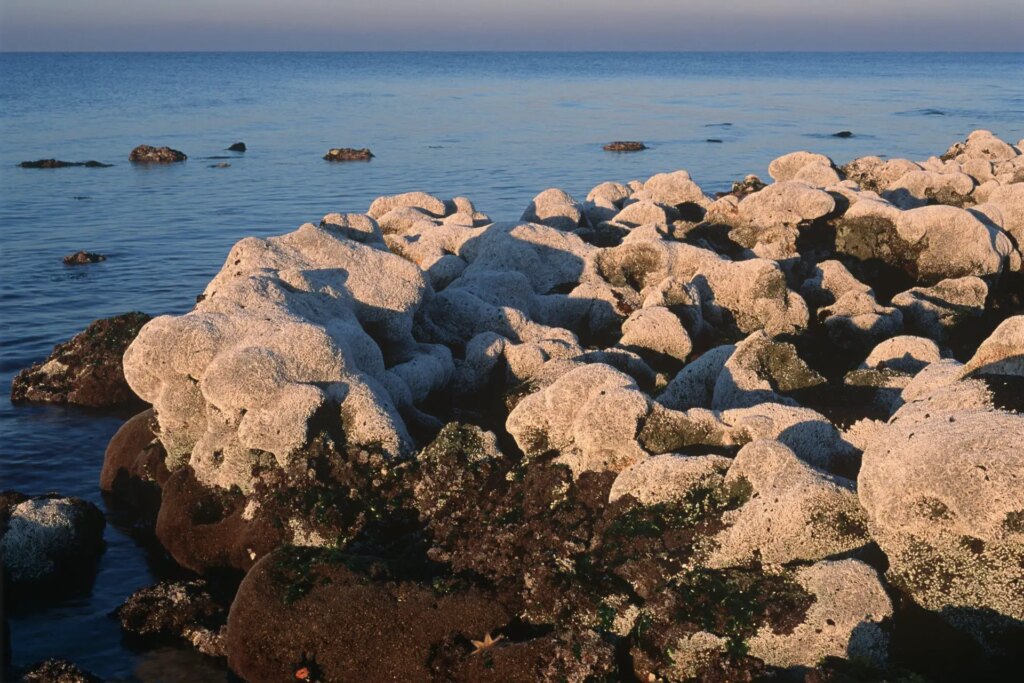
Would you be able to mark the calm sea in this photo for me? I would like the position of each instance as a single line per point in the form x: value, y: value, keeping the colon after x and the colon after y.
x: 495, y: 127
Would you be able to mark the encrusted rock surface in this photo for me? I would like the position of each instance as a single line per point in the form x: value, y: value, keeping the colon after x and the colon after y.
x: 86, y: 370
x: 48, y: 538
x: 156, y: 155
x: 649, y: 435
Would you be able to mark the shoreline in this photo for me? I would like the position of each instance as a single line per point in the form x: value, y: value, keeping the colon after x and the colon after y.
x: 651, y: 364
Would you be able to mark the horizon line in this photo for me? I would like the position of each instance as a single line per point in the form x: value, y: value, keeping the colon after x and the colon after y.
x: 525, y: 50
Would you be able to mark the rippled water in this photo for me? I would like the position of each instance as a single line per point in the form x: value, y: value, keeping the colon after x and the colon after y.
x: 495, y: 127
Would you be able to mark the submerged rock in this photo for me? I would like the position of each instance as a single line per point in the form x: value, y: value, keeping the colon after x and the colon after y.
x: 625, y: 146
x: 57, y: 163
x: 156, y: 155
x: 348, y: 154
x: 81, y: 258
x: 237, y: 147
x: 58, y: 671
x: 87, y: 370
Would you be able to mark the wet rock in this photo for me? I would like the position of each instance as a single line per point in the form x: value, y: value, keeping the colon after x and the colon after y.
x: 333, y: 614
x: 222, y: 164
x: 348, y: 154
x: 183, y: 610
x: 48, y: 538
x: 939, y: 311
x: 156, y: 155
x: 58, y: 671
x: 237, y: 147
x: 86, y: 370
x: 564, y: 656
x: 57, y: 163
x: 795, y: 512
x: 843, y: 134
x: 554, y: 208
x: 80, y: 258
x: 848, y: 618
x: 940, y: 484
x: 134, y: 469
x: 625, y: 146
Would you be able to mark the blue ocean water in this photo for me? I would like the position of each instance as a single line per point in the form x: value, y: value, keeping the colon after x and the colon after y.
x: 497, y: 127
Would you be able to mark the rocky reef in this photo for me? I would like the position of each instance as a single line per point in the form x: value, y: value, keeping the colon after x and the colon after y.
x: 653, y: 435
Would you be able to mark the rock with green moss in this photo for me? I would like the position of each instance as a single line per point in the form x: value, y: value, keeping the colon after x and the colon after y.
x: 794, y: 513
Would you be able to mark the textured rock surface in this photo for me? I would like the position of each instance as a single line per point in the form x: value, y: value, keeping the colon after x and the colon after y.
x: 183, y: 609
x: 86, y: 370
x: 48, y: 537
x: 156, y: 155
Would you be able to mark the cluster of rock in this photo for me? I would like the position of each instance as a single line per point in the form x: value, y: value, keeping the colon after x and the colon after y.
x: 348, y: 154
x: 57, y: 163
x: 146, y: 154
x: 652, y: 434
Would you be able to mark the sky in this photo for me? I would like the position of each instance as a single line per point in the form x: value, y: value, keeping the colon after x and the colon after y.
x: 272, y: 25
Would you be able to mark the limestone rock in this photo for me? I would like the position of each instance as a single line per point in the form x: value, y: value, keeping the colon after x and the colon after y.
x: 663, y: 478
x: 847, y: 619
x: 590, y: 416
x: 658, y: 332
x: 795, y: 512
x: 1002, y: 353
x: 789, y: 165
x: 417, y: 200
x: 937, y: 311
x: 694, y: 385
x: 981, y: 144
x: 904, y: 353
x: 761, y: 370
x: 354, y: 226
x: 554, y: 208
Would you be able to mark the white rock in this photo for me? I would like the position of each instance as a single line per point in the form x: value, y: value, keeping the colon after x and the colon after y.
x: 656, y: 330
x: 789, y: 165
x: 420, y: 200
x: 1002, y: 353
x: 904, y: 353
x: 554, y: 208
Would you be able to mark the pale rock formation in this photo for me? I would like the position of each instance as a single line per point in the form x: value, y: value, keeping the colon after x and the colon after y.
x: 761, y: 370
x: 656, y: 331
x: 672, y: 189
x: 354, y: 226
x: 981, y: 144
x: 665, y: 478
x: 788, y: 166
x: 1002, y: 353
x: 919, y: 188
x: 806, y: 432
x: 795, y: 512
x: 554, y: 208
x: 694, y: 385
x: 941, y: 486
x: 429, y: 204
x: 644, y: 212
x: 936, y: 311
x: 846, y: 619
x: 590, y: 416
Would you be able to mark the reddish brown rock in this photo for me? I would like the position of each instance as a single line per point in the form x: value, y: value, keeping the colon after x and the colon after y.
x: 86, y: 370
x: 325, y: 615
x: 156, y: 155
x: 348, y: 154
x: 81, y: 258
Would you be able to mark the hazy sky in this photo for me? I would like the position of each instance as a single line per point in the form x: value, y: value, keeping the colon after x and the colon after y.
x: 512, y: 25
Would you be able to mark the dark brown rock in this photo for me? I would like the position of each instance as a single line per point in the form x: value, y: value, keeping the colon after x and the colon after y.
x: 184, y: 610
x: 625, y: 146
x: 58, y: 671
x: 81, y: 258
x: 348, y: 154
x: 320, y: 615
x: 237, y: 147
x: 57, y: 163
x: 85, y: 371
x: 156, y: 155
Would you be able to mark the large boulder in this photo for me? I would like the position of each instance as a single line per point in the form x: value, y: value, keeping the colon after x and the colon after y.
x: 85, y: 370
x: 306, y: 325
x: 941, y: 486
x: 554, y: 208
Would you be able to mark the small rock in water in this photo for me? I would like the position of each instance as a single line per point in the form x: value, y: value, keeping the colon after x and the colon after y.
x: 712, y: 140
x: 180, y: 609
x: 843, y: 134
x: 58, y: 671
x: 81, y: 258
x: 156, y: 155
x: 57, y: 163
x: 348, y: 154
x: 222, y: 164
x: 625, y: 146
x: 237, y: 147
x: 49, y: 537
